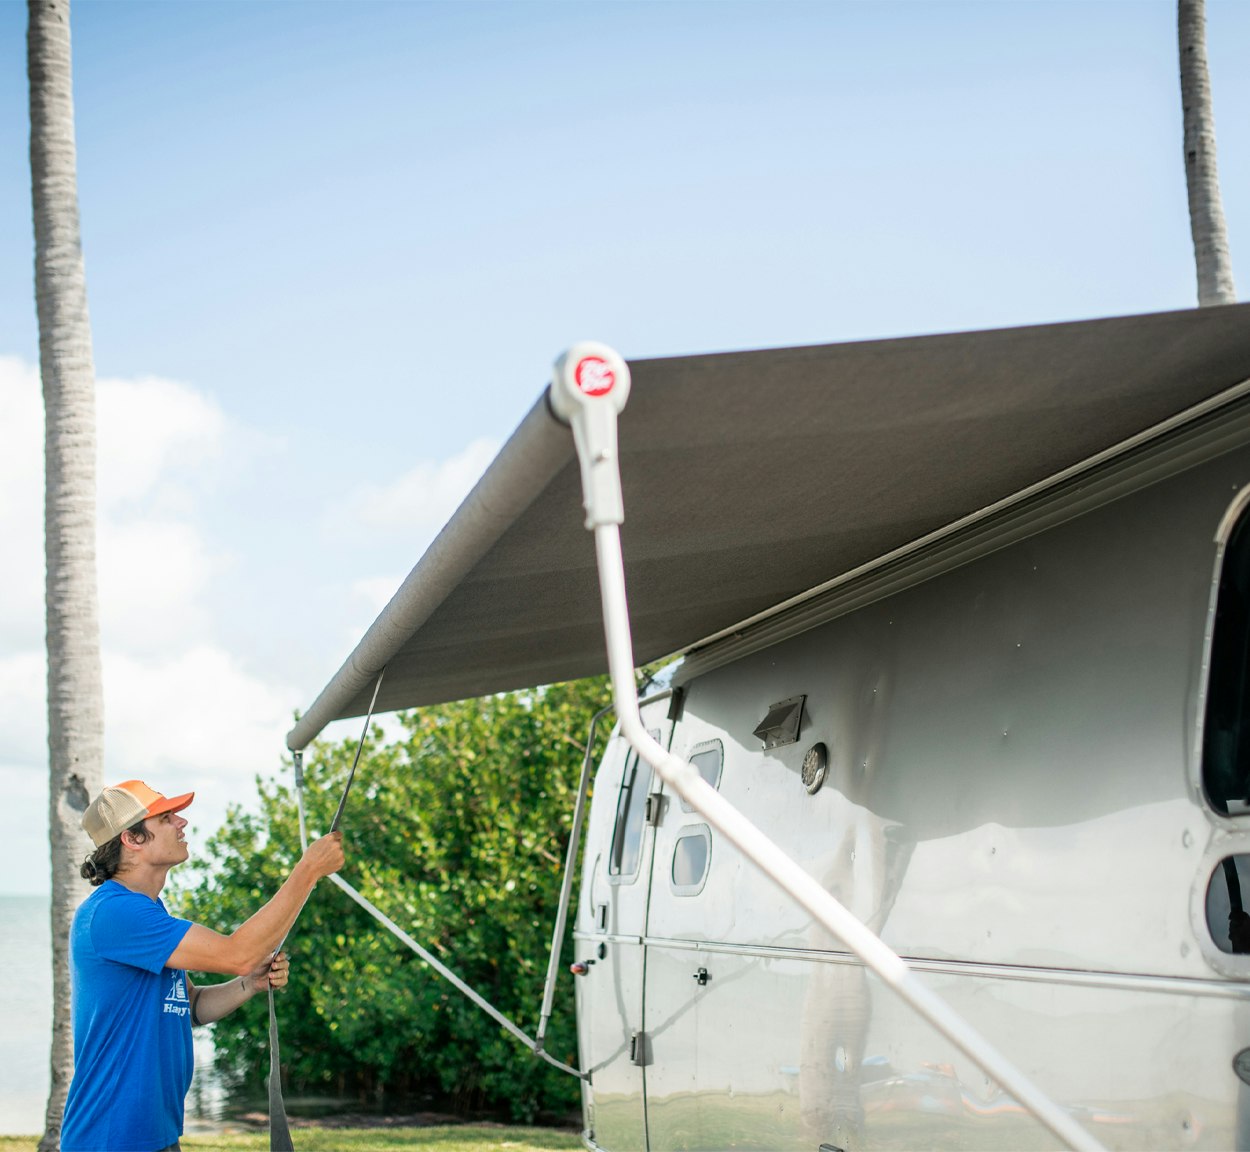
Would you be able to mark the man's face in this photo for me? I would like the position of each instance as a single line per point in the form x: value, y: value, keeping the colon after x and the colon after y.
x: 167, y: 844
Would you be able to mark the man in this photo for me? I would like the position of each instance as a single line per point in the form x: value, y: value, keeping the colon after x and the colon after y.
x: 133, y: 1005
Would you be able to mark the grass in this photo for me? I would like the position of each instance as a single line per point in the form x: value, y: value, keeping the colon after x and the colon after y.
x: 451, y: 1138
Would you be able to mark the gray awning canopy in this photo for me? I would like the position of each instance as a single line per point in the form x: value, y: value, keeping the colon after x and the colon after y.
x: 751, y: 477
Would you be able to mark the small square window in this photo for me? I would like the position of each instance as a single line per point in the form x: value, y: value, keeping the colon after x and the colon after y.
x: 708, y: 759
x: 692, y: 854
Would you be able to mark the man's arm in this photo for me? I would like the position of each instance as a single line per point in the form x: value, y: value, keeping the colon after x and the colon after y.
x: 214, y: 1001
x: 258, y: 937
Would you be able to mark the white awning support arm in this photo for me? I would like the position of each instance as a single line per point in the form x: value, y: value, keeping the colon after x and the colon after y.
x: 589, y: 389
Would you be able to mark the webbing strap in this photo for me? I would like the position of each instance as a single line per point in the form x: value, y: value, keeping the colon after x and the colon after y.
x: 338, y: 816
x: 279, y: 1129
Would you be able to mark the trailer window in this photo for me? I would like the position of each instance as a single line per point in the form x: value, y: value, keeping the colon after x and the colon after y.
x: 692, y: 853
x: 631, y: 806
x: 708, y: 759
x: 1227, y: 919
x: 1226, y: 731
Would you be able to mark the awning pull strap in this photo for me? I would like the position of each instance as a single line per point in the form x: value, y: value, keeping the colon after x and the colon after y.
x: 279, y: 1128
x: 351, y: 776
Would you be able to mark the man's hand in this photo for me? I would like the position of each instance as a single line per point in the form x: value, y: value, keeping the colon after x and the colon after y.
x: 257, y: 938
x: 214, y: 1001
x: 273, y: 973
x: 325, y: 856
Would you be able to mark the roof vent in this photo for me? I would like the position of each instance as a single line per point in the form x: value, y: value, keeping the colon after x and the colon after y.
x: 781, y: 725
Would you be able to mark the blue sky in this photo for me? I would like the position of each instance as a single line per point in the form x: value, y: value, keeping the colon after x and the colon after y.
x: 332, y: 249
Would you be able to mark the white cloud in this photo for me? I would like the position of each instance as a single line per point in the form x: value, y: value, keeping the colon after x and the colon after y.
x: 25, y: 788
x: 21, y: 425
x: 180, y: 711
x: 153, y: 574
x: 154, y: 440
x: 423, y: 499
x: 375, y: 593
x: 153, y: 436
x: 193, y: 720
x: 23, y: 697
x: 21, y: 506
x: 403, y: 518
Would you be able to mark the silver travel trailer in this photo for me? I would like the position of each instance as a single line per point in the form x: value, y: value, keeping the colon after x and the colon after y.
x: 965, y: 627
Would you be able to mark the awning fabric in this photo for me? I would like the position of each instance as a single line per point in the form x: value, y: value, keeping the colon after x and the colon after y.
x: 750, y: 477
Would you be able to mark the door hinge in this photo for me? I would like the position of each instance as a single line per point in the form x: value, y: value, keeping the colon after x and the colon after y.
x: 655, y: 806
x: 638, y: 1049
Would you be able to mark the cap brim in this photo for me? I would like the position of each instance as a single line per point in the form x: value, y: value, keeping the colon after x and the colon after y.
x: 171, y: 804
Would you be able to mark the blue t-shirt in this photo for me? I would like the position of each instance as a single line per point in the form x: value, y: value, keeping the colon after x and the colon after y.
x: 132, y: 1025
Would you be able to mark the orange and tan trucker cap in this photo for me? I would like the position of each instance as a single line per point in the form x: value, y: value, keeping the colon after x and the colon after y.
x: 121, y: 805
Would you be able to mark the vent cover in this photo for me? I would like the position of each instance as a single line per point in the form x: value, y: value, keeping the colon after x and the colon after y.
x: 781, y: 725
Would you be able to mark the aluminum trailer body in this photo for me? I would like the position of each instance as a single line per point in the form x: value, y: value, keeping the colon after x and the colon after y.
x: 1005, y: 780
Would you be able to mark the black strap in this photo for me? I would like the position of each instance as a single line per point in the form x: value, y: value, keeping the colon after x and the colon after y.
x: 338, y: 816
x: 279, y: 1129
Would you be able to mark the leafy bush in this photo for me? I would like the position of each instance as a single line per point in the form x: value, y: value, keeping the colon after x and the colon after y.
x: 457, y: 832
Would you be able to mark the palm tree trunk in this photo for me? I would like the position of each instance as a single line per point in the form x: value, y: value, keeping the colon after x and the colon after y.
x: 1206, y: 212
x: 75, y: 693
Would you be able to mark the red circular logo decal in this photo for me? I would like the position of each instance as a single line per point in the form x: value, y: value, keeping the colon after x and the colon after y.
x: 594, y: 376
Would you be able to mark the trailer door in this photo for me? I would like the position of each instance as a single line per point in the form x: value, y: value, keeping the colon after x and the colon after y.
x: 610, y: 996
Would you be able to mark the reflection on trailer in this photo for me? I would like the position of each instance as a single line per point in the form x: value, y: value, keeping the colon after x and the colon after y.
x: 968, y: 638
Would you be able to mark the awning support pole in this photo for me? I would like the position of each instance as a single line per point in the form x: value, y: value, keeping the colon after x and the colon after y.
x: 566, y: 888
x: 298, y: 758
x: 589, y: 389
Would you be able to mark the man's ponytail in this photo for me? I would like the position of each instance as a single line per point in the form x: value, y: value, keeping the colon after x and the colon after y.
x: 106, y: 861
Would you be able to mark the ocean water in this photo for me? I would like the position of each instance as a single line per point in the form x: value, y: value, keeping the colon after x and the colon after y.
x: 26, y: 1029
x: 26, y: 1010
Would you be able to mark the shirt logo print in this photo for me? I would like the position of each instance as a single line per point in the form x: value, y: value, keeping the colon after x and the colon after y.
x: 176, y: 1002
